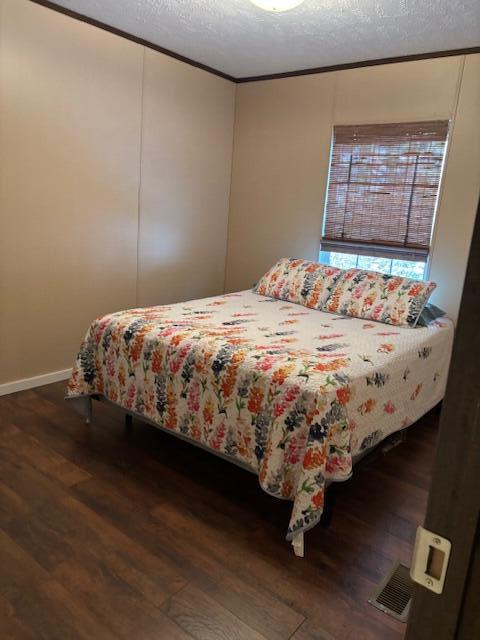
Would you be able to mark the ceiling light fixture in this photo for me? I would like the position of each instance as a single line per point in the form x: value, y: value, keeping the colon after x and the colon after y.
x: 277, y: 5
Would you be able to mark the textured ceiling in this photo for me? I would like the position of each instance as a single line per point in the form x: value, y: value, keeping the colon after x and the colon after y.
x: 241, y: 40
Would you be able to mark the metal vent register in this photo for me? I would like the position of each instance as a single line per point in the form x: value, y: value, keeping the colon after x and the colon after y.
x: 394, y: 594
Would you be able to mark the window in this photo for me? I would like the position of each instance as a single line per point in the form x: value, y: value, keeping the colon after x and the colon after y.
x: 382, y: 193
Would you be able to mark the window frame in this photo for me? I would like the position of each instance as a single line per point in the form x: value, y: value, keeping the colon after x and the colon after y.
x: 428, y: 261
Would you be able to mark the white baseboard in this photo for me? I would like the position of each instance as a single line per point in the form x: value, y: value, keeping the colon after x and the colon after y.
x: 36, y: 381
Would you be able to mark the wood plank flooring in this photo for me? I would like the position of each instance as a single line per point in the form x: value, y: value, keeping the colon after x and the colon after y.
x: 112, y: 533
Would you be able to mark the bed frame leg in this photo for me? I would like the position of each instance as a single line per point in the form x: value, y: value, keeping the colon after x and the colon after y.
x: 298, y: 544
x: 83, y: 406
x: 328, y: 507
x: 88, y: 410
x: 128, y: 420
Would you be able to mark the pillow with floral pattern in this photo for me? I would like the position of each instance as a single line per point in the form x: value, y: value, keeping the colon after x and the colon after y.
x: 377, y: 296
x: 299, y: 281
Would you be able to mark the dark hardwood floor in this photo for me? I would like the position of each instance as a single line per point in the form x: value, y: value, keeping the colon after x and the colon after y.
x: 113, y: 533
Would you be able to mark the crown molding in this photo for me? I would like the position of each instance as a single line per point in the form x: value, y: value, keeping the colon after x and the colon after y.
x: 363, y: 63
x: 128, y: 36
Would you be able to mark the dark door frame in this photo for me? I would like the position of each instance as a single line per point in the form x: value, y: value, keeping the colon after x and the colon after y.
x: 453, y: 509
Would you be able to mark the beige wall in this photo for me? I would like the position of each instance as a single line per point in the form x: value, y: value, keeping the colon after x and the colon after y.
x: 281, y: 154
x: 185, y: 187
x: 70, y: 118
x: 70, y: 151
x: 280, y: 164
x: 460, y: 193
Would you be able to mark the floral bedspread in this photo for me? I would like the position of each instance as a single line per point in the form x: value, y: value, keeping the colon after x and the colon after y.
x: 292, y: 393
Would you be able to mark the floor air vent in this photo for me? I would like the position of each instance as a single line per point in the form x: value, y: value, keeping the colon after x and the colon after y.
x: 394, y: 594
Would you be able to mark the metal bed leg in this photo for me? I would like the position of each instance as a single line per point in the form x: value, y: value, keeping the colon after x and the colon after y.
x: 328, y: 507
x: 83, y: 406
x: 88, y: 410
x: 298, y: 545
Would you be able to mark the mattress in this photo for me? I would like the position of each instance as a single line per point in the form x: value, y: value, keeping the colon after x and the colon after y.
x: 291, y: 393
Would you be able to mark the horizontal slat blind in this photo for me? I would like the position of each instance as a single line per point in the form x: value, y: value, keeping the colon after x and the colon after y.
x: 383, y: 187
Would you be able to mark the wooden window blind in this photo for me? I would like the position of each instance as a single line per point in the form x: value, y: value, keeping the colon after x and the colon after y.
x: 383, y: 188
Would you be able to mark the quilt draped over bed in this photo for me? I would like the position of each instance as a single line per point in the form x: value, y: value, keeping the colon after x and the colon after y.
x: 290, y: 392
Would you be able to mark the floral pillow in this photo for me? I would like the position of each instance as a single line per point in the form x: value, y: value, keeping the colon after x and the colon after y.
x: 377, y: 296
x: 300, y: 281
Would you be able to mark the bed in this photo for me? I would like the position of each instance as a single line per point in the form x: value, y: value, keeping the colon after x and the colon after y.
x: 291, y: 393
